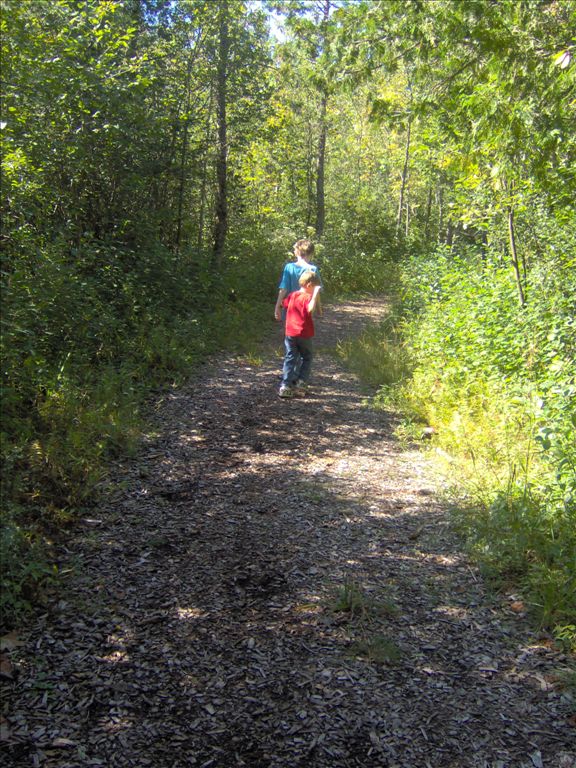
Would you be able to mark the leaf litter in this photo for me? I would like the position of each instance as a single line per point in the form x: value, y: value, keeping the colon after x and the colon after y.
x: 274, y: 583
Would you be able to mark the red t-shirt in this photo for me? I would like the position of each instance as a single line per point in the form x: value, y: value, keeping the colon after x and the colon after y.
x: 298, y: 318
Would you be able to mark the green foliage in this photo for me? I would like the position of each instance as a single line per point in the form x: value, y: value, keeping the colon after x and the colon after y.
x: 107, y: 134
x: 347, y: 272
x: 366, y: 609
x: 109, y: 289
x: 497, y: 384
x: 377, y: 649
x: 80, y: 357
x: 25, y: 569
x: 378, y: 356
x: 352, y: 600
x: 518, y: 537
x: 566, y: 636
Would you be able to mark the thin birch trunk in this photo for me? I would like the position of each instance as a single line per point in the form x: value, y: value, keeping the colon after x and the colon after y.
x: 183, y: 156
x: 221, y: 227
x: 320, y: 193
x: 428, y: 213
x: 310, y: 179
x: 514, y: 256
x: 404, y: 173
x: 204, y: 179
x: 321, y: 154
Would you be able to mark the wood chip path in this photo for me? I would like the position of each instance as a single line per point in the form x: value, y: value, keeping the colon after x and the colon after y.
x: 275, y: 584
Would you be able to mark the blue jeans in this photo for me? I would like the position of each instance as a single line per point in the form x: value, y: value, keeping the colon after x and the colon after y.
x: 297, y: 361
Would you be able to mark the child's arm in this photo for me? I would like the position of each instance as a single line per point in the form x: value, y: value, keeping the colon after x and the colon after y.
x: 315, y: 300
x: 282, y: 293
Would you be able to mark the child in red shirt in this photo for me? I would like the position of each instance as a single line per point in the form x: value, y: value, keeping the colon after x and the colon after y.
x: 300, y: 306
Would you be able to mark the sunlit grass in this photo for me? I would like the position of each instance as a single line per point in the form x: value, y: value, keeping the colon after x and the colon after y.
x: 484, y: 448
x: 378, y: 356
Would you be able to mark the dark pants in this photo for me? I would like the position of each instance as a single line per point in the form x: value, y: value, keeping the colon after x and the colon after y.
x: 297, y: 361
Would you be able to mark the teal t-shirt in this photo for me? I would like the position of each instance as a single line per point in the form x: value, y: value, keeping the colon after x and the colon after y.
x: 291, y: 275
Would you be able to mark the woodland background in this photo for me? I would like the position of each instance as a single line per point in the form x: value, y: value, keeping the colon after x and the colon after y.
x: 159, y: 159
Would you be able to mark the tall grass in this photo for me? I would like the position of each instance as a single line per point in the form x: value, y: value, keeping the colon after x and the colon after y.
x: 497, y: 384
x: 379, y: 354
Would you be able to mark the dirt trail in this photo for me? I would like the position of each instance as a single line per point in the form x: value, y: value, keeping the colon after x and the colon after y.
x: 274, y: 584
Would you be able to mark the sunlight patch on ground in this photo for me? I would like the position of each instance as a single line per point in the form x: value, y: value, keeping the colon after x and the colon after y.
x: 193, y: 437
x: 453, y: 611
x: 116, y: 657
x: 190, y: 613
x: 382, y: 513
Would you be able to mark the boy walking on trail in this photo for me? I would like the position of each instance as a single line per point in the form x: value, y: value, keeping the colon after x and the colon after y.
x: 300, y: 306
x: 303, y: 250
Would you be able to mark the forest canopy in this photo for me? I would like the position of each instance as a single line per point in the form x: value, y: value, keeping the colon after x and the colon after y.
x: 159, y: 157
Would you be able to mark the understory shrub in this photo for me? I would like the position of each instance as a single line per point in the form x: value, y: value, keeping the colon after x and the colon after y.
x: 25, y: 566
x: 497, y: 383
x: 85, y: 342
x: 348, y: 273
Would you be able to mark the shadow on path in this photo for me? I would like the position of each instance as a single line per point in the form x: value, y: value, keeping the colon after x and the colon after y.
x: 275, y: 585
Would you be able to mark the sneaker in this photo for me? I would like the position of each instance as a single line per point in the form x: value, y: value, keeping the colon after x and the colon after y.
x: 301, y: 384
x: 286, y: 392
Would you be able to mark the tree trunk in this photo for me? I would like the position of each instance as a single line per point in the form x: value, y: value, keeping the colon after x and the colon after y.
x: 514, y: 256
x: 320, y: 197
x: 183, y: 156
x: 221, y: 227
x: 204, y: 179
x: 404, y: 176
x: 185, y: 144
x: 310, y: 200
x: 428, y: 213
x: 321, y: 157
